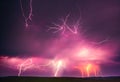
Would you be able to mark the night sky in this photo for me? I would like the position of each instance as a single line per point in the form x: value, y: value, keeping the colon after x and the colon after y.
x: 100, y: 19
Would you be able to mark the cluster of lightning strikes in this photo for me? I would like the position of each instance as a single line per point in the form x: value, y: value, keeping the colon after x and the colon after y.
x: 28, y: 63
x: 81, y: 56
x: 29, y: 17
x: 88, y: 69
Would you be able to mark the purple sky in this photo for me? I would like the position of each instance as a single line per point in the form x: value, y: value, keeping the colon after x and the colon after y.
x: 99, y: 20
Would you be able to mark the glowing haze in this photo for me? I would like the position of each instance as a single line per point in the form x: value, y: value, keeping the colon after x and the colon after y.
x: 70, y: 51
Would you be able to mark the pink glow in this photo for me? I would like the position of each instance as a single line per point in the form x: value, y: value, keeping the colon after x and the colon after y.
x: 69, y: 50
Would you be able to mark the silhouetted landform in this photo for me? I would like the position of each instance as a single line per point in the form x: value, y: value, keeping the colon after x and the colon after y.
x: 59, y: 79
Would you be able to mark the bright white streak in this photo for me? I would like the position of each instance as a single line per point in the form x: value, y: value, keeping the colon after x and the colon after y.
x: 58, y: 64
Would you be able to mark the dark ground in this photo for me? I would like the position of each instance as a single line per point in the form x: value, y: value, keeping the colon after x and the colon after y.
x: 59, y: 79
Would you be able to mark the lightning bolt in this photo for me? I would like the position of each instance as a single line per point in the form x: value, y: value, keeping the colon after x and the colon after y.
x: 29, y: 17
x: 24, y: 66
x: 64, y: 26
x: 58, y: 66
